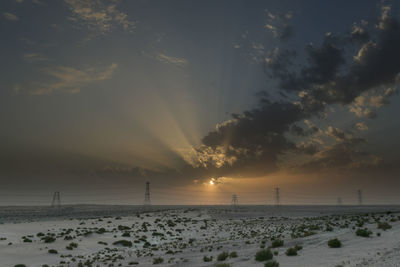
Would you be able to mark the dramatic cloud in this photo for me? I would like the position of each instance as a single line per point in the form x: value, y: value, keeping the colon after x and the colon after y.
x: 34, y: 57
x: 279, y: 25
x: 69, y: 80
x: 366, y: 104
x: 253, y: 143
x: 10, y: 16
x: 99, y: 16
x: 181, y: 62
x: 361, y: 126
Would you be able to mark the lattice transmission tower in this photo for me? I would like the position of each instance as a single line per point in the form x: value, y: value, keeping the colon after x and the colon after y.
x: 277, y: 197
x: 56, y: 202
x: 360, y: 197
x: 147, y: 201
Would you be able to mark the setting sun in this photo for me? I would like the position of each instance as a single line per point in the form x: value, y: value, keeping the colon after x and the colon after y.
x: 211, y: 182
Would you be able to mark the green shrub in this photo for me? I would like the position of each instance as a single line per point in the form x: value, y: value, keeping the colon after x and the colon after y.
x: 277, y: 243
x: 20, y: 265
x: 124, y: 243
x: 384, y: 226
x: 53, y: 251
x: 101, y: 231
x: 291, y: 252
x: 263, y: 255
x: 334, y: 243
x: 223, y: 256
x: 363, y: 232
x: 271, y: 264
x: 71, y: 246
x: 158, y: 260
x: 222, y: 265
x: 48, y: 239
x: 207, y: 259
x: 298, y: 247
x: 233, y: 254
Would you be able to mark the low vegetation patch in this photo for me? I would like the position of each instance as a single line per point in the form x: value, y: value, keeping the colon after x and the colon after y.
x: 277, y: 243
x: 158, y: 260
x: 334, y: 243
x: 124, y: 243
x: 53, y: 251
x: 207, y: 259
x: 384, y: 226
x: 263, y: 255
x: 223, y: 256
x: 271, y: 264
x: 291, y: 252
x: 363, y: 232
x: 233, y: 254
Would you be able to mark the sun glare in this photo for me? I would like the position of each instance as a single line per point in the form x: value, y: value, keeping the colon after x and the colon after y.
x: 211, y: 182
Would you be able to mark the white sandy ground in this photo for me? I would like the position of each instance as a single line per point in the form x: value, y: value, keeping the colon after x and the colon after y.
x: 222, y: 233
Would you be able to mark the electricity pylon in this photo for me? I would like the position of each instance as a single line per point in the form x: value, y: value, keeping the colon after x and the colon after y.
x: 235, y: 201
x: 360, y: 200
x: 147, y: 201
x: 56, y: 200
x: 277, y: 197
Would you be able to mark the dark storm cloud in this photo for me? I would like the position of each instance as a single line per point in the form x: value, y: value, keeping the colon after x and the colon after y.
x: 258, y: 137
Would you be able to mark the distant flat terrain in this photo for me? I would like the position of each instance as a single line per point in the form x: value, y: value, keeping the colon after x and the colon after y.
x: 102, y: 235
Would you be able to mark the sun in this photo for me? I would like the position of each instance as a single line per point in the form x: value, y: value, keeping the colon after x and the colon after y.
x: 211, y: 182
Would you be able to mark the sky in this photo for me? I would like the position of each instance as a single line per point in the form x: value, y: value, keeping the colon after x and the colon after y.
x: 203, y: 99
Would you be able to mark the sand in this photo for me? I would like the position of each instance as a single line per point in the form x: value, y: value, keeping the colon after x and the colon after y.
x: 182, y: 236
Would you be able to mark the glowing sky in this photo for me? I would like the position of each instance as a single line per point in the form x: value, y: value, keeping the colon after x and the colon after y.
x: 204, y: 99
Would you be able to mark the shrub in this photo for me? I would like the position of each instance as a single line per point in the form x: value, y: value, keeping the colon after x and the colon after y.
x: 207, y: 259
x: 291, y: 252
x: 334, y: 243
x: 223, y: 256
x: 158, y: 260
x: 20, y: 265
x: 263, y: 255
x: 298, y: 247
x: 133, y: 263
x: 271, y: 264
x: 71, y: 246
x: 101, y: 231
x: 53, y: 251
x: 233, y: 254
x: 222, y: 265
x: 384, y: 226
x: 363, y: 232
x: 277, y: 243
x: 124, y: 243
x: 123, y: 227
x: 48, y: 239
